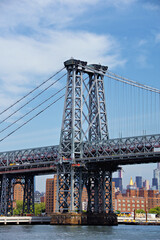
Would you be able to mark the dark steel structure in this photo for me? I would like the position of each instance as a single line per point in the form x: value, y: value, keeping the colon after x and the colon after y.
x: 85, y: 155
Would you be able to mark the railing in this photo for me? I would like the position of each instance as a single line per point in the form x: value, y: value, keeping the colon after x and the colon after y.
x: 111, y: 147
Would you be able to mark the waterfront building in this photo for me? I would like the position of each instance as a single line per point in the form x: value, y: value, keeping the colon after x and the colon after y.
x: 134, y: 199
x: 139, y: 181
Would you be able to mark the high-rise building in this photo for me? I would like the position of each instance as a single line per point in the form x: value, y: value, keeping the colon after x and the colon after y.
x: 37, y: 196
x: 156, y: 175
x: 51, y: 190
x: 146, y: 184
x: 139, y: 181
x: 155, y: 183
x: 17, y: 193
x: 118, y: 183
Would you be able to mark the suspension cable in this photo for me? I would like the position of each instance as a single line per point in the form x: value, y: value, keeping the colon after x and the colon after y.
x: 33, y: 98
x: 124, y: 80
x: 32, y: 118
x: 32, y: 110
x: 31, y: 91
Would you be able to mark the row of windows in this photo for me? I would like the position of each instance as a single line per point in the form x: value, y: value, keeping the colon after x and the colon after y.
x: 133, y: 205
x: 128, y: 200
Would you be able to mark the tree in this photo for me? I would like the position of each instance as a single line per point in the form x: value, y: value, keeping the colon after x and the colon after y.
x: 155, y: 210
x: 19, y: 208
x: 39, y: 208
x: 140, y: 211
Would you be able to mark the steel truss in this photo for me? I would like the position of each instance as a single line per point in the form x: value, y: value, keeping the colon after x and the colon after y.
x: 84, y: 119
x: 69, y: 188
x: 6, y: 206
x: 28, y: 199
x: 7, y: 183
x: 99, y: 188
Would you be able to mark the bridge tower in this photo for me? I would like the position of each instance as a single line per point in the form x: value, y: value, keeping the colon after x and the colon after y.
x: 84, y: 120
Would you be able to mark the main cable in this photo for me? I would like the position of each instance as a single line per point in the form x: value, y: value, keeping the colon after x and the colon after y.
x: 32, y: 118
x: 31, y: 91
x: 32, y: 98
x: 32, y: 110
x: 123, y: 80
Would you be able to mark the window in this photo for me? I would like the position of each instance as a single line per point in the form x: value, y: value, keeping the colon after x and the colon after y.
x: 119, y: 200
x: 133, y: 205
x: 137, y: 201
x: 133, y: 201
x: 128, y: 205
x: 142, y: 201
x: 137, y: 205
x: 123, y: 205
x: 128, y: 200
x: 123, y: 200
x: 142, y: 205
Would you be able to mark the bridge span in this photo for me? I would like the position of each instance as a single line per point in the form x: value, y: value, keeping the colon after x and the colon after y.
x: 85, y: 155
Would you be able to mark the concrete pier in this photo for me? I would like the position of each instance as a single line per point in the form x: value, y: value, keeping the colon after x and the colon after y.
x: 109, y: 219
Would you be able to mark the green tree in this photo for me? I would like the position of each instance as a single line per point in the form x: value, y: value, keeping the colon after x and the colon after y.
x: 140, y: 211
x: 155, y: 210
x: 39, y: 208
x: 19, y: 208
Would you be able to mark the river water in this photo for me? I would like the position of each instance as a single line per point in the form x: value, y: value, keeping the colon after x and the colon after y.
x: 49, y: 232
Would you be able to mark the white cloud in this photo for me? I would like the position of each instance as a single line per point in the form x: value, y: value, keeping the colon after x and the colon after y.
x: 151, y: 6
x: 142, y: 42
x: 35, y: 41
x: 120, y: 3
x: 22, y: 57
x: 142, y: 60
x: 157, y: 38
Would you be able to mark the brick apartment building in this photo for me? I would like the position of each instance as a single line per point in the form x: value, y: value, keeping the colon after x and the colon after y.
x: 135, y: 199
x: 50, y: 197
x: 17, y: 193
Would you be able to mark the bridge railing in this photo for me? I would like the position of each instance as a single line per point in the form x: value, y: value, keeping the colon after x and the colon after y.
x: 27, y: 156
x: 139, y: 144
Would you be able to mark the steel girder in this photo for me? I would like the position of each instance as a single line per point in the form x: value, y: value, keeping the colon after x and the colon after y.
x: 97, y: 109
x: 6, y: 204
x: 26, y: 156
x: 123, y: 146
x: 71, y: 132
x: 7, y: 183
x: 111, y: 147
x: 69, y: 188
x: 99, y: 188
x: 84, y: 116
x: 28, y: 199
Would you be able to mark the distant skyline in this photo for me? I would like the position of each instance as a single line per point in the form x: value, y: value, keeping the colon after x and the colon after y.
x: 37, y: 36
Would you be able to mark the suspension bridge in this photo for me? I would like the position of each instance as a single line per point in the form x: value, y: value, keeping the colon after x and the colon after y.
x: 99, y: 134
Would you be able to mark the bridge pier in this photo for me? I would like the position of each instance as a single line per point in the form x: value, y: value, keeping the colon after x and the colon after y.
x: 70, y: 182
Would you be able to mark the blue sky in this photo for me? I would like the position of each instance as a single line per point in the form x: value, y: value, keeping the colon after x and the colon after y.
x: 37, y: 36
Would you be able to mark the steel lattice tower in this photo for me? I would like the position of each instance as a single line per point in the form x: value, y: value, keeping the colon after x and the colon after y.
x: 84, y: 119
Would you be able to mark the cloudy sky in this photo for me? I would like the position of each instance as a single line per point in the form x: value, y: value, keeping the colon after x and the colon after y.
x: 37, y: 36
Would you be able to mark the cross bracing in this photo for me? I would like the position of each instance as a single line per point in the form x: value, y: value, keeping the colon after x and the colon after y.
x: 86, y: 155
